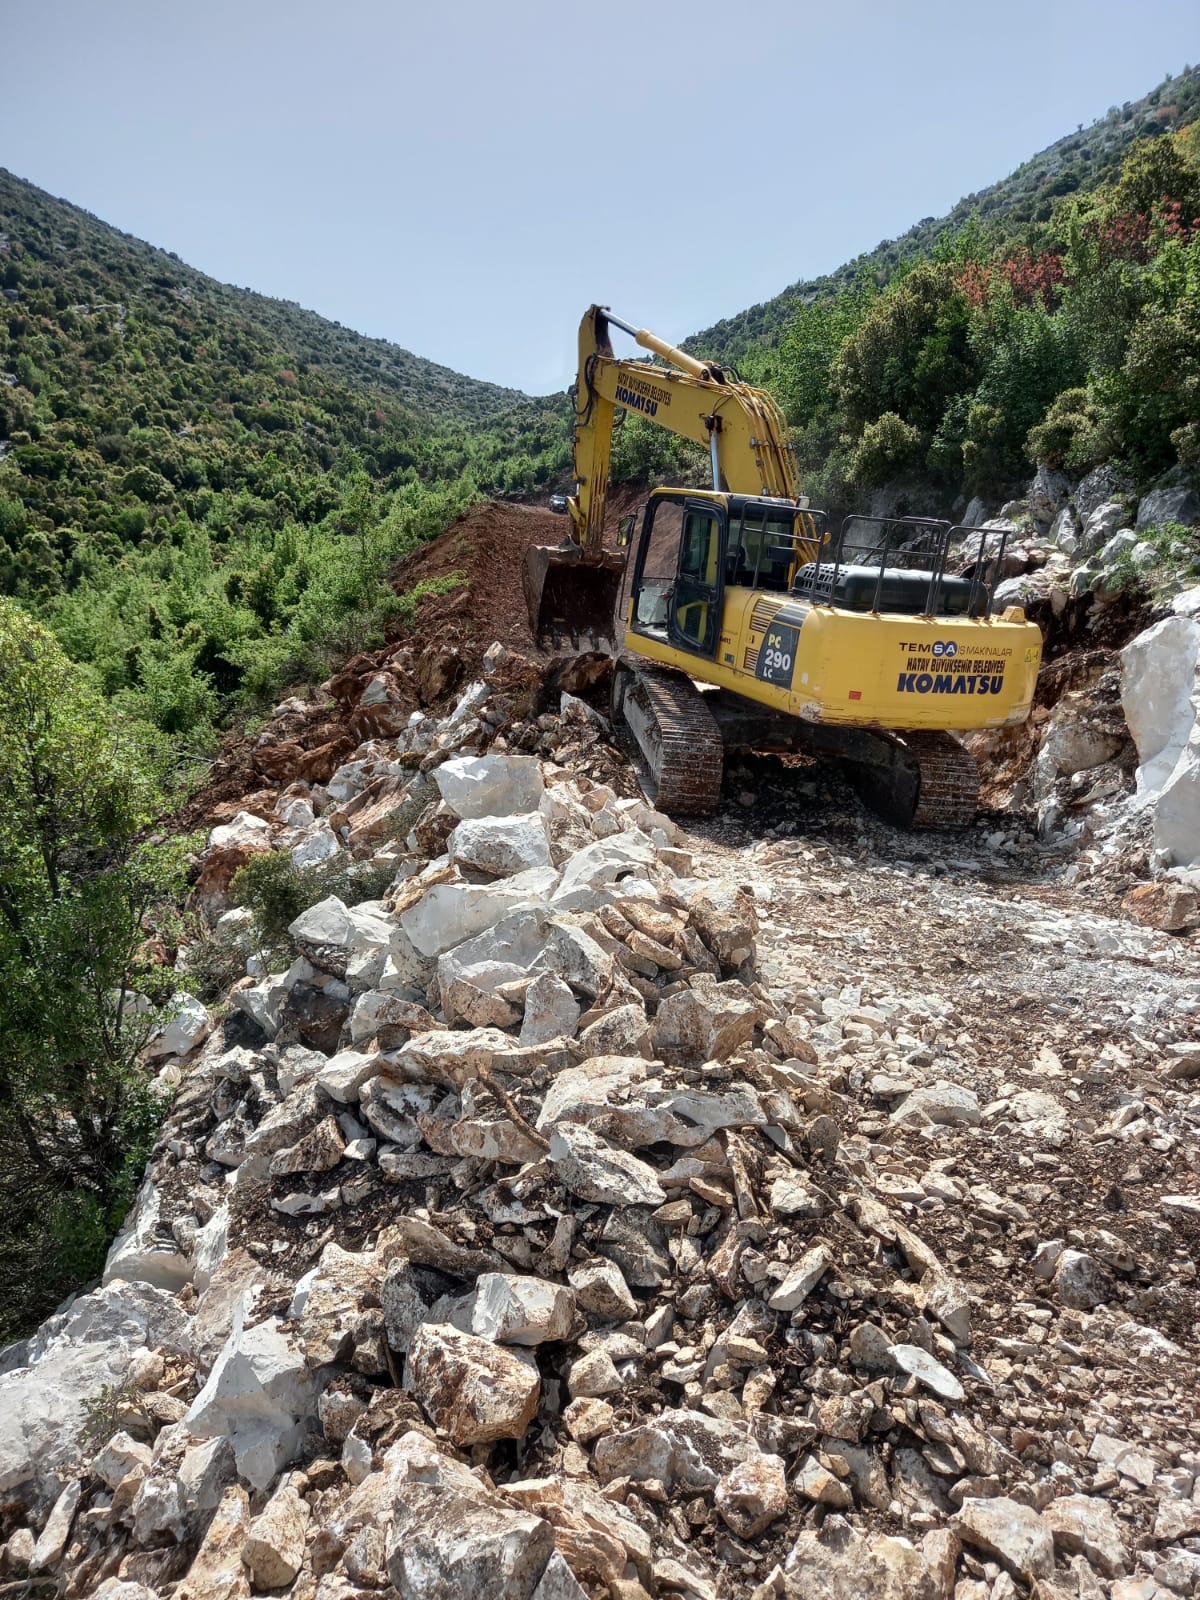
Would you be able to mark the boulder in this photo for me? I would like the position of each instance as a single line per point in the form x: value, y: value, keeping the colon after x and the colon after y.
x: 217, y: 1572
x: 501, y: 846
x: 1158, y: 695
x: 705, y: 1022
x: 684, y: 1450
x: 1083, y: 1524
x: 185, y: 1024
x: 839, y: 1563
x: 1177, y: 809
x: 1064, y: 531
x: 259, y: 1394
x: 183, y: 1487
x: 509, y: 1309
x: 601, y: 1290
x: 446, y: 1545
x: 725, y: 917
x: 752, y: 1495
x: 1082, y: 1283
x: 801, y: 1280
x: 946, y: 1104
x: 332, y: 934
x: 1169, y: 505
x: 274, y: 1547
x: 145, y: 1250
x: 475, y: 1391
x: 1016, y: 1535
x: 490, y: 786
x: 1047, y: 494
x: 593, y: 1170
x: 1099, y: 527
x: 1103, y: 483
x: 67, y: 1362
x: 449, y: 913
x: 551, y: 1011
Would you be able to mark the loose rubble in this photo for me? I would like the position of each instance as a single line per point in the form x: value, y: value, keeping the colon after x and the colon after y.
x: 604, y: 1210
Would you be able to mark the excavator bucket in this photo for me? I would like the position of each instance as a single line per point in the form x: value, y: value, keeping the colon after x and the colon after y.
x: 572, y: 602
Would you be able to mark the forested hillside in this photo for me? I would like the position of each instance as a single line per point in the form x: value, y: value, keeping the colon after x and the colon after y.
x: 1054, y: 318
x: 1075, y: 164
x: 201, y: 488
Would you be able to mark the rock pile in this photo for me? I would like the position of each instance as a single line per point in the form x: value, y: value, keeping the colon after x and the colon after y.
x: 598, y: 1212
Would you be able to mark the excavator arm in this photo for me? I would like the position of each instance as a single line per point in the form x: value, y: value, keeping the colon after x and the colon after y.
x: 571, y: 590
x: 742, y: 427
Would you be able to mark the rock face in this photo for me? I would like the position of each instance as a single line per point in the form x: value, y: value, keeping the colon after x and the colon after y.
x: 1161, y: 696
x: 779, y: 1213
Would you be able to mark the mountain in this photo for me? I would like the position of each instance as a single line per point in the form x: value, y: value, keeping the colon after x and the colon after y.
x: 1075, y: 164
x: 181, y: 463
x: 114, y: 266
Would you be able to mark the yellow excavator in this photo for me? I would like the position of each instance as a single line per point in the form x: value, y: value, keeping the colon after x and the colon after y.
x: 739, y: 620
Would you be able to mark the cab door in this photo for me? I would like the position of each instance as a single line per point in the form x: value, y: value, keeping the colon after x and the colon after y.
x: 694, y: 617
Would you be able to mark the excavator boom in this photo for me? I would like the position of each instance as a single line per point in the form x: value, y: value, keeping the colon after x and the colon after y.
x: 571, y: 590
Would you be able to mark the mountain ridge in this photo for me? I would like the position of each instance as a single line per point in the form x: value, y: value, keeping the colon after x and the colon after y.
x: 1076, y: 162
x: 439, y: 391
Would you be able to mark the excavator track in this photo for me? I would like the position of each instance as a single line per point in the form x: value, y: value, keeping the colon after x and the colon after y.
x: 914, y: 779
x: 678, y: 741
x: 948, y: 794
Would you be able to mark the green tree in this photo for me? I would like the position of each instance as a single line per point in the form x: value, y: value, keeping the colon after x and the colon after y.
x: 76, y: 889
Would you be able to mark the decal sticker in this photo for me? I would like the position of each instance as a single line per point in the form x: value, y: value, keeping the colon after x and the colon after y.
x: 777, y: 655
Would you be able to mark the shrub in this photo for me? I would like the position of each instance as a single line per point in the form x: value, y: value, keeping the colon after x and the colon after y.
x: 276, y: 890
x: 77, y: 888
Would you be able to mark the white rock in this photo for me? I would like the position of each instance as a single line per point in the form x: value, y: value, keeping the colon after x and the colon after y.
x: 52, y: 1540
x: 600, y: 1288
x: 245, y: 829
x: 183, y: 1027
x: 592, y: 1376
x: 344, y: 1074
x: 317, y: 845
x: 274, y: 1547
x: 477, y: 1391
x: 921, y: 1365
x: 73, y: 1355
x: 681, y: 1449
x: 259, y: 1394
x: 119, y: 1456
x: 752, y: 1495
x: 501, y: 845
x: 332, y: 935
x: 1084, y: 1524
x: 594, y: 1170
x: 184, y: 1486
x: 1158, y: 696
x: 449, y: 913
x: 294, y: 812
x: 444, y: 1545
x: 947, y: 1104
x: 144, y: 1251
x: 801, y: 1279
x: 509, y: 1309
x: 551, y: 1011
x: 1099, y: 528
x: 1014, y: 1533
x: 490, y: 786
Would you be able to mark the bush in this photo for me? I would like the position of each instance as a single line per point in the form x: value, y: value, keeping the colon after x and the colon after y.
x: 887, y: 448
x: 77, y: 889
x: 1072, y: 435
x: 276, y: 890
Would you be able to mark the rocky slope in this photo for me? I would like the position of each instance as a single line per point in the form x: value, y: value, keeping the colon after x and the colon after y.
x: 783, y: 1208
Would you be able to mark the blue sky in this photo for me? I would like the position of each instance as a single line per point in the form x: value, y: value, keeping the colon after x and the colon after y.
x: 465, y: 178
